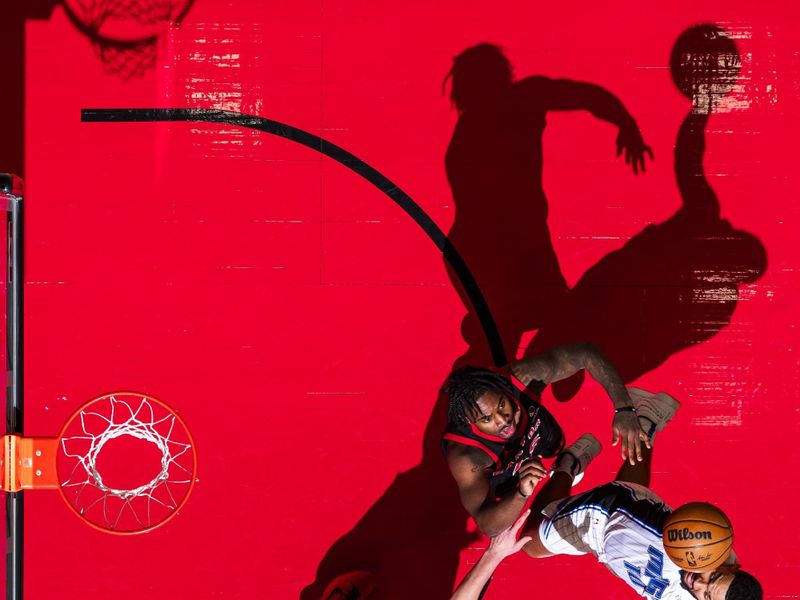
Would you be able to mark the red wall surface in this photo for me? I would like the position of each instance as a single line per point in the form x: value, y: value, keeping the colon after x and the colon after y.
x: 302, y: 322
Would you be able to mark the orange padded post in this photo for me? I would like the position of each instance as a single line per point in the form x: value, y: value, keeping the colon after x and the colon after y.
x: 28, y: 463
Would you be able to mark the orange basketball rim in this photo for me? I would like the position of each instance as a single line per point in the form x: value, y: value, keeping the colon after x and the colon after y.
x: 124, y: 462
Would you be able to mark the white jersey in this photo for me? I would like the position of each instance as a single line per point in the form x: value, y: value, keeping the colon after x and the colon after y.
x: 621, y: 524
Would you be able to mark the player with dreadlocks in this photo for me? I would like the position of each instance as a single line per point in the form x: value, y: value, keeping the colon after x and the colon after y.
x: 621, y: 523
x: 497, y: 431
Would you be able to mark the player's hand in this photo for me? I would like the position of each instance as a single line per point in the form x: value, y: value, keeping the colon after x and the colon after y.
x: 506, y: 543
x: 630, y: 140
x: 626, y: 429
x: 530, y: 474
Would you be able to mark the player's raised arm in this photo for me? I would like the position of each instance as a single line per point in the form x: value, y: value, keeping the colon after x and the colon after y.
x: 505, y: 544
x: 565, y: 94
x: 563, y: 361
x: 491, y: 514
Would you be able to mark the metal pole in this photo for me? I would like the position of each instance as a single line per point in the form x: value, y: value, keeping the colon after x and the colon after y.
x: 11, y: 189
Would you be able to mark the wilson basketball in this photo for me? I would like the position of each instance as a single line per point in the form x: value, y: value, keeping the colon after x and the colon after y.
x: 698, y: 537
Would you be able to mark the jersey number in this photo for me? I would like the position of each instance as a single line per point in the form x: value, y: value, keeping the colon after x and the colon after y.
x: 656, y: 584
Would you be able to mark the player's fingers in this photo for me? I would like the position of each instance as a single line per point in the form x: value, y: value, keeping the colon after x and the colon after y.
x: 623, y: 447
x: 637, y: 441
x: 532, y: 467
x: 645, y: 439
x: 633, y: 450
x: 521, y: 542
x: 520, y: 522
x: 528, y: 486
x: 614, y: 436
x: 537, y: 466
x: 536, y: 470
x: 631, y: 446
x: 626, y: 442
x: 536, y: 460
x: 538, y: 478
x: 534, y: 477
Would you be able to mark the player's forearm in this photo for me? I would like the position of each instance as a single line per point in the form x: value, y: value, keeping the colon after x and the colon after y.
x: 470, y: 588
x: 495, y: 516
x: 605, y: 105
x: 602, y: 371
x: 556, y: 364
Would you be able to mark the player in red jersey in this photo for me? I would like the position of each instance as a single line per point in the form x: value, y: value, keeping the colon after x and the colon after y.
x: 496, y: 432
x: 621, y: 523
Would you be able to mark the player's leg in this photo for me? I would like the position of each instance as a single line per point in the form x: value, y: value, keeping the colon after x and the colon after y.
x: 570, y: 463
x: 654, y: 412
x: 558, y: 487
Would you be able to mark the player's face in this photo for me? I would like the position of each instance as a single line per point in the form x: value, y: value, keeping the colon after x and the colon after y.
x: 498, y: 415
x: 712, y: 585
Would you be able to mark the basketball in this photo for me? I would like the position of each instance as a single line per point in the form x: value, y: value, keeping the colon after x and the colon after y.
x: 698, y: 537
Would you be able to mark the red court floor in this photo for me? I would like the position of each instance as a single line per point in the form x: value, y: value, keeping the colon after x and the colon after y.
x: 301, y: 318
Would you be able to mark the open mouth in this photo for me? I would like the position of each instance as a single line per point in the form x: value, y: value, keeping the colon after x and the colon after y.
x: 508, y: 430
x: 688, y: 579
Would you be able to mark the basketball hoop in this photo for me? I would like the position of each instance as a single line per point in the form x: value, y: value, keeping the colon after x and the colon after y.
x: 125, y: 33
x: 124, y: 462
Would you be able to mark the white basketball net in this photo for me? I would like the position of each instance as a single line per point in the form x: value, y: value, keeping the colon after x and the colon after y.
x: 147, y: 504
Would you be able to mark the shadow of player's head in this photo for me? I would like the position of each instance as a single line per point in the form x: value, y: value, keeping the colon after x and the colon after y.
x: 705, y: 65
x: 479, y: 76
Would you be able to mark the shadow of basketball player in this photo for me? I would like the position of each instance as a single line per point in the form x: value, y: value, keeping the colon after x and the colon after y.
x: 674, y: 284
x: 411, y: 538
x: 494, y: 167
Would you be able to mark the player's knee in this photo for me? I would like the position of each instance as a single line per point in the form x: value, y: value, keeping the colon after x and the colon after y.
x: 534, y: 548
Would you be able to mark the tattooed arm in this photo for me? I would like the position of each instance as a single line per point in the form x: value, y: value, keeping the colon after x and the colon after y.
x: 561, y: 362
x: 491, y: 514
